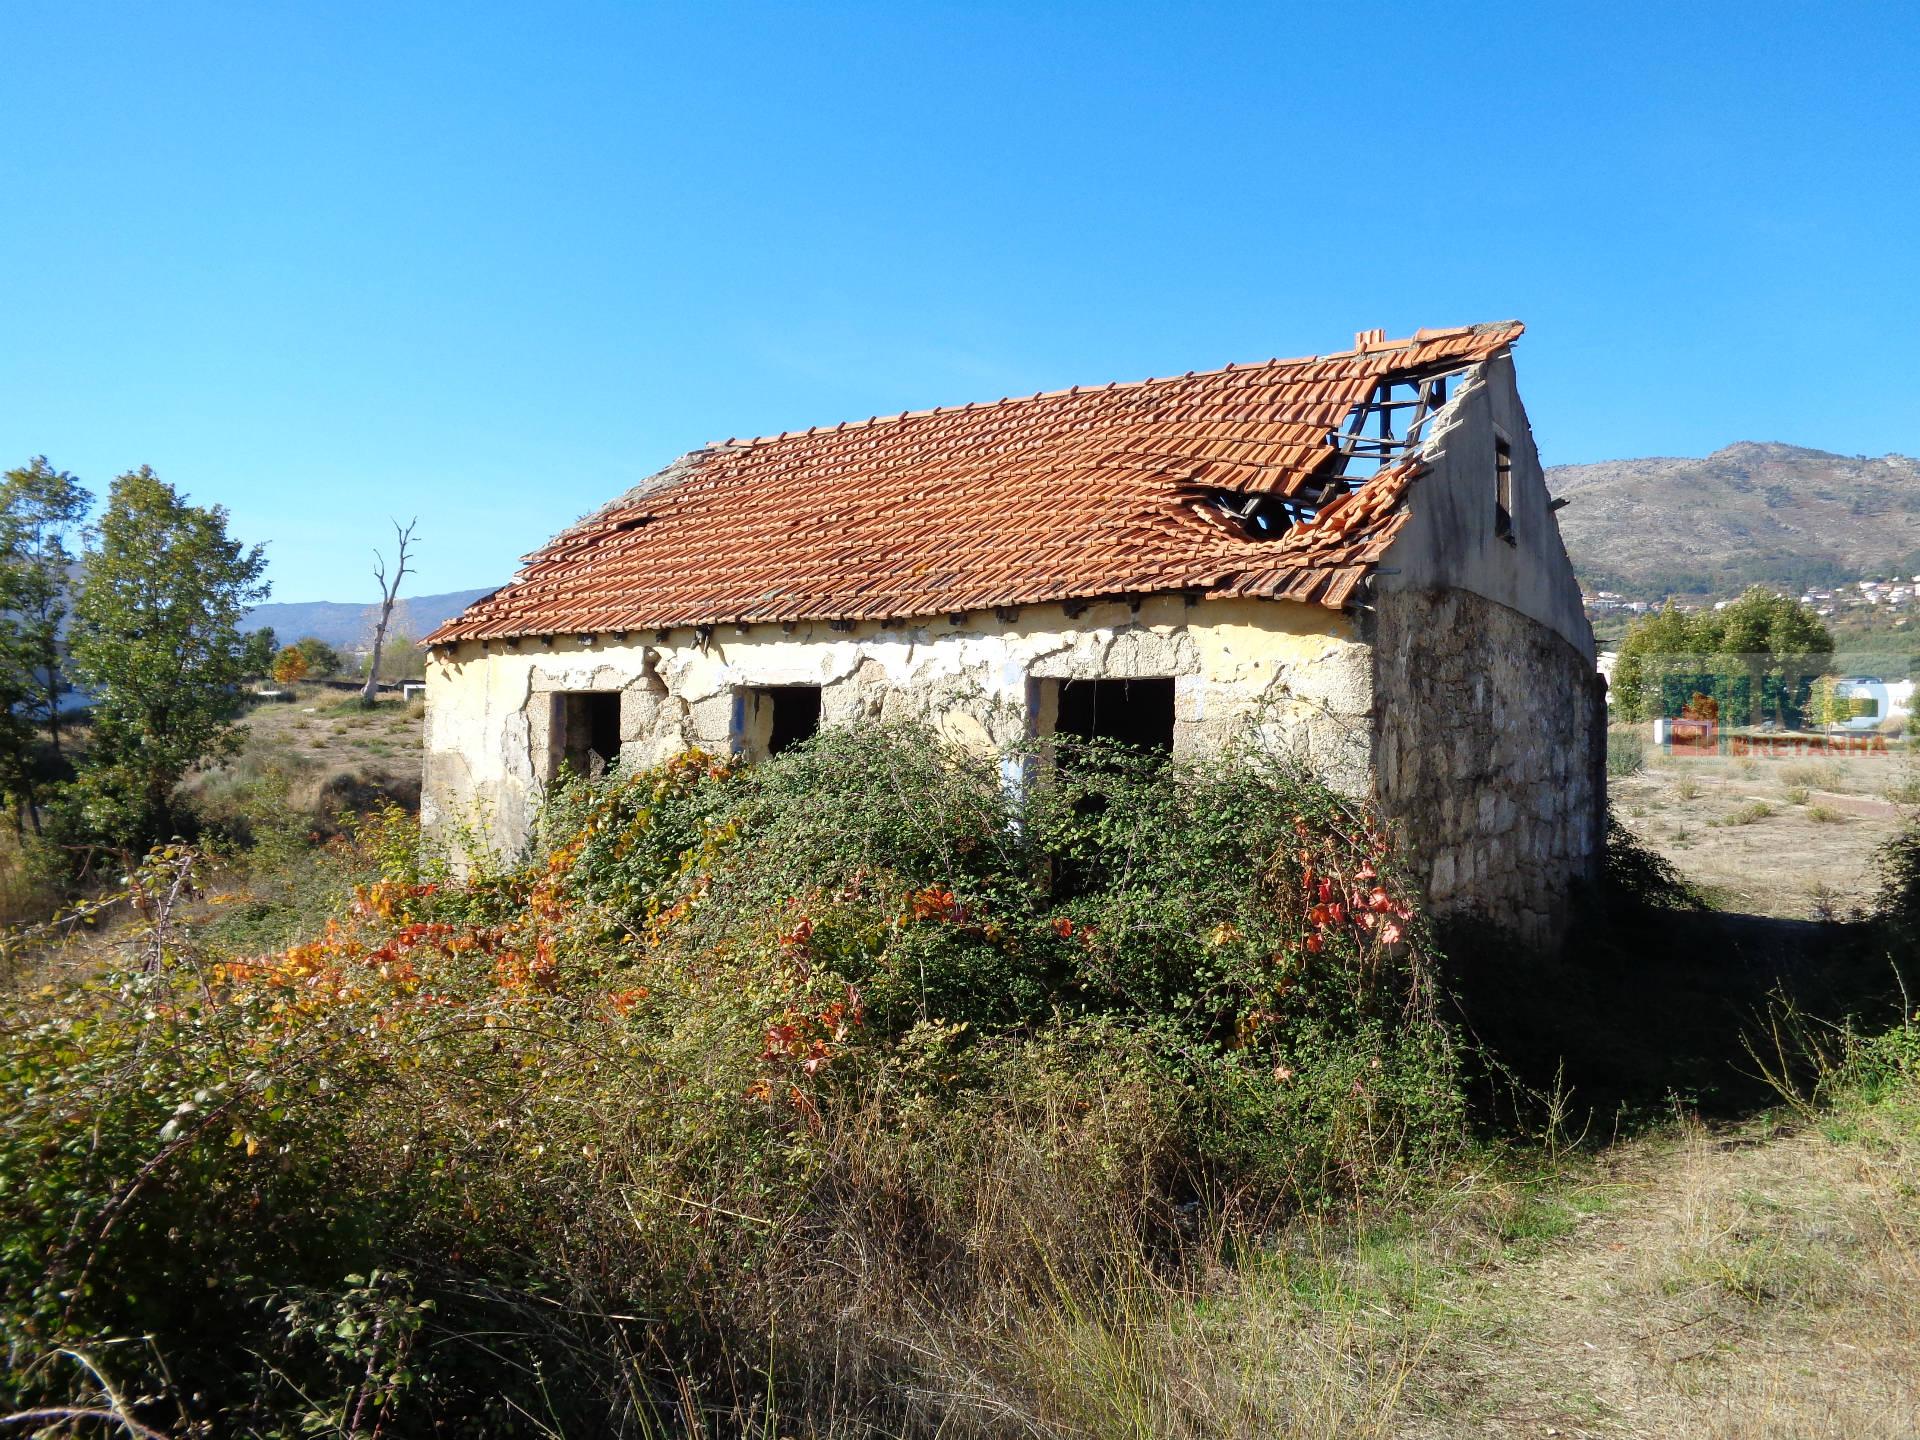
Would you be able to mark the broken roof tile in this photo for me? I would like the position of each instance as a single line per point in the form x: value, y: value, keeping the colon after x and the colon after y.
x: 1084, y: 493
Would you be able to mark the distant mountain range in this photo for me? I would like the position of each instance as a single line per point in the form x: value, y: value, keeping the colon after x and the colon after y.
x: 1750, y: 513
x: 346, y: 626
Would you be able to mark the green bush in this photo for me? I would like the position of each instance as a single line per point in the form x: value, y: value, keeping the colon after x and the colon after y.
x: 1898, y: 899
x: 1636, y: 877
x: 742, y: 1073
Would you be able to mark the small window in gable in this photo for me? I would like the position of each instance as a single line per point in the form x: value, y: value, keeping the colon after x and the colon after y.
x: 1503, y: 491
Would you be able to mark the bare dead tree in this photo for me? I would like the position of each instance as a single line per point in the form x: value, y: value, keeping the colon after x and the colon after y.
x: 389, y: 593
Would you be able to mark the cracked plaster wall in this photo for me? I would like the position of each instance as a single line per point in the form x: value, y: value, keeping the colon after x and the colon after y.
x: 1290, y: 676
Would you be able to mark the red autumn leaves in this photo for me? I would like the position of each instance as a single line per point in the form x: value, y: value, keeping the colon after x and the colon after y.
x: 1351, y: 903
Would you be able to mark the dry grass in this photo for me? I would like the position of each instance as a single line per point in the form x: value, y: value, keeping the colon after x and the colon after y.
x: 23, y: 897
x: 1713, y: 1284
x: 1903, y: 788
x: 318, y: 755
x: 1778, y: 1288
x: 1225, y: 1353
x: 1330, y: 1327
x: 1706, y: 1283
x: 1822, y: 819
x: 1818, y: 774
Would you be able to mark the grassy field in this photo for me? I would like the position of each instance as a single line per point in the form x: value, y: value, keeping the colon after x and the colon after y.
x: 1748, y: 1282
x: 330, y: 748
x: 1689, y: 1204
x: 304, y: 766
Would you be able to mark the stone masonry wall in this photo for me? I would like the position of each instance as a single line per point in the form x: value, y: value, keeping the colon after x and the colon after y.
x: 1485, y: 737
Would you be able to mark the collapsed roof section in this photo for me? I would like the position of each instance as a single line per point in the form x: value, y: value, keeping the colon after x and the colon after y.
x: 1247, y: 481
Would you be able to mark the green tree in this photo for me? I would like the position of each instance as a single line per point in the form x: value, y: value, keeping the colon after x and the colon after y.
x: 19, y: 752
x: 260, y: 648
x: 322, y: 659
x: 40, y: 509
x: 1825, y: 708
x: 402, y: 659
x: 1648, y: 656
x: 1758, y: 657
x: 1771, y: 647
x: 157, y: 640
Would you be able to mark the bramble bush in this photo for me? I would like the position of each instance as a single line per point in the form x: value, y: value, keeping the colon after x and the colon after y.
x: 747, y: 1101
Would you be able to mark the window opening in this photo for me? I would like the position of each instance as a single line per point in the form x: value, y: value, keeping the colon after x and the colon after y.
x: 787, y: 715
x: 1135, y: 713
x: 586, y: 730
x: 1503, y: 490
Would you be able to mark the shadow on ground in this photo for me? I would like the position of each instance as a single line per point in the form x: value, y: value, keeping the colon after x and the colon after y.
x: 1647, y: 1007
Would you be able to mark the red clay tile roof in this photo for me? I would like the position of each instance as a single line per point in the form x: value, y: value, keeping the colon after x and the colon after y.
x: 1093, y: 492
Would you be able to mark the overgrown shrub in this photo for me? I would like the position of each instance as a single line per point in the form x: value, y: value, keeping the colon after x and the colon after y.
x: 1568, y: 1034
x: 1897, y: 901
x: 1635, y: 877
x: 742, y: 1077
x: 1626, y: 753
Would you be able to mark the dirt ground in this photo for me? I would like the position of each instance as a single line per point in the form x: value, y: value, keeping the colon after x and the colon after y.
x: 1784, y: 837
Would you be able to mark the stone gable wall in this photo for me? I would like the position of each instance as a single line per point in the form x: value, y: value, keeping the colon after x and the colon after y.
x: 1486, y: 738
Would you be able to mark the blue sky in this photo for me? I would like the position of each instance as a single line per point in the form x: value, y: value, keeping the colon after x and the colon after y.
x: 490, y: 264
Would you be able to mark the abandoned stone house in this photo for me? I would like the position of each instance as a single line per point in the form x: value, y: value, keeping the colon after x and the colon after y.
x: 1351, y: 556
